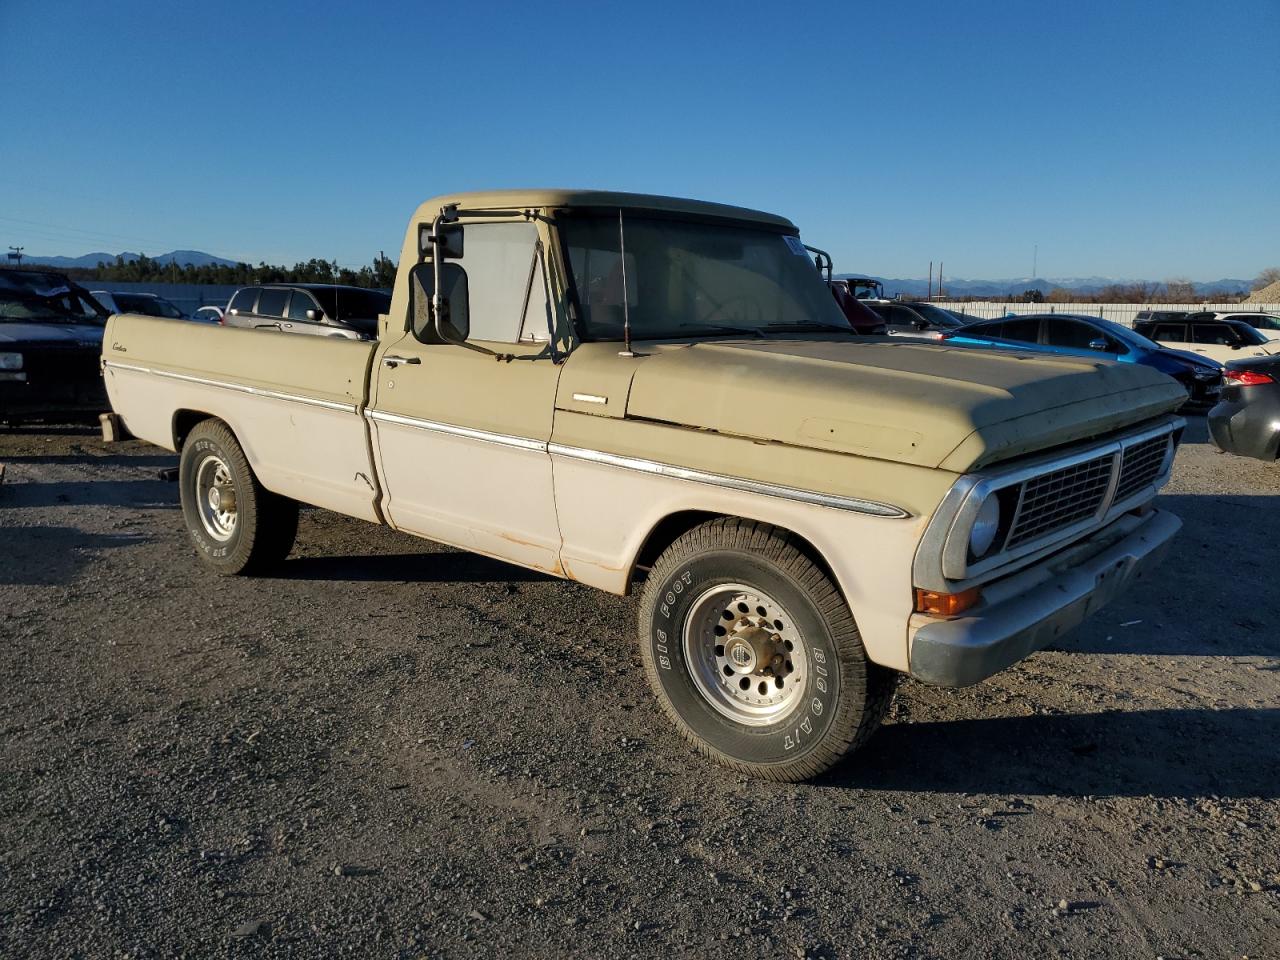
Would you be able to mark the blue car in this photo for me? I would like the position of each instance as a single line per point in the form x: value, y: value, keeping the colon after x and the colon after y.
x: 1083, y: 336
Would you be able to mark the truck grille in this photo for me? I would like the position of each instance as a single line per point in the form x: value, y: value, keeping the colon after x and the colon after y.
x: 1142, y: 463
x: 1055, y: 500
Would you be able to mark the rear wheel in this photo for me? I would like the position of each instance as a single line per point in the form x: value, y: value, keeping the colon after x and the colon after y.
x: 237, y: 525
x: 754, y: 654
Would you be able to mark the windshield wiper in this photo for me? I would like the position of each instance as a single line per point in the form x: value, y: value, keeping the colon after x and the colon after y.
x: 722, y: 328
x: 807, y: 327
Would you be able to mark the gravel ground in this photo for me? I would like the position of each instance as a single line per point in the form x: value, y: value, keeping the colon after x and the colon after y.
x: 396, y: 750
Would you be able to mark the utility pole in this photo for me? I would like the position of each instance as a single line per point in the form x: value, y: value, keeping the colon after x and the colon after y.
x: 939, y: 279
x: 15, y: 253
x: 1035, y: 255
x: 929, y: 295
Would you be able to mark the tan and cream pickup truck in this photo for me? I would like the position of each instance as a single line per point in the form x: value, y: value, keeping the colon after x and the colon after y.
x: 631, y: 390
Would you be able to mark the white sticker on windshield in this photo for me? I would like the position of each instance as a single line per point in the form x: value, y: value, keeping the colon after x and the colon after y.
x: 797, y: 247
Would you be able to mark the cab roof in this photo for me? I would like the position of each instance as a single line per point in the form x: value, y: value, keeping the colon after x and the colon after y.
x: 548, y: 198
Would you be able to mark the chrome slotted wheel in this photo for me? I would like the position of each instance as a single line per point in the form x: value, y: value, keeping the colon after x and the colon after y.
x: 215, y: 496
x: 745, y: 655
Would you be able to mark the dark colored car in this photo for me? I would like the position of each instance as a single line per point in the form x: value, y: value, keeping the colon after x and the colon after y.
x: 1246, y: 421
x: 320, y: 309
x: 50, y: 345
x: 147, y: 304
x: 1159, y: 315
x: 1080, y: 335
x: 912, y: 317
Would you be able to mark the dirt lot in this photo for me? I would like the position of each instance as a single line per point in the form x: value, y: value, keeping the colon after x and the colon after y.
x: 392, y: 749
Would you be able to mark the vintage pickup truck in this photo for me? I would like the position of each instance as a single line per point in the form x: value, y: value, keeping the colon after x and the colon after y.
x: 635, y: 390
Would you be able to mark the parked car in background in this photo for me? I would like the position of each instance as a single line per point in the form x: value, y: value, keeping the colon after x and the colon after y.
x: 319, y: 309
x: 1265, y: 323
x: 857, y: 312
x: 1159, y: 315
x: 1246, y: 421
x: 50, y: 345
x: 912, y: 318
x: 1220, y: 340
x: 1080, y: 335
x: 129, y: 301
x: 207, y: 314
x: 864, y: 288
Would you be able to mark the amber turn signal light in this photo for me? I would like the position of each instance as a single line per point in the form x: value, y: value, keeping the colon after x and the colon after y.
x: 946, y: 604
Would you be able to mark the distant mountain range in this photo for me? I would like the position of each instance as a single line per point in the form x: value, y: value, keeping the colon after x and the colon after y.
x: 1014, y: 287
x: 182, y: 258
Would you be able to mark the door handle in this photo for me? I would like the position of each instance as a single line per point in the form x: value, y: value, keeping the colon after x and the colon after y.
x: 396, y: 361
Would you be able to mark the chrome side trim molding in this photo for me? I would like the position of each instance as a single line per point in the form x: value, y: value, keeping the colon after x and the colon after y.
x: 852, y: 504
x: 468, y: 433
x: 590, y: 398
x: 237, y: 387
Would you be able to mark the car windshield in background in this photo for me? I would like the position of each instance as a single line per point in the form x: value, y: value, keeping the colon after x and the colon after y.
x: 1246, y: 334
x: 147, y: 306
x: 360, y: 308
x: 938, y: 316
x: 27, y: 297
x: 1126, y: 335
x: 687, y: 278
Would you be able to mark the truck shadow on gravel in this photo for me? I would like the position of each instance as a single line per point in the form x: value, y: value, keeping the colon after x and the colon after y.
x: 421, y: 567
x: 52, y: 556
x: 90, y: 459
x: 1158, y: 753
x: 144, y: 494
x: 1204, y: 599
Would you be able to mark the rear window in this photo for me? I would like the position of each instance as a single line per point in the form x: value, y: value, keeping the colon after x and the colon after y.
x: 1212, y: 333
x: 272, y: 302
x: 242, y: 302
x: 1172, y: 332
x: 1027, y: 331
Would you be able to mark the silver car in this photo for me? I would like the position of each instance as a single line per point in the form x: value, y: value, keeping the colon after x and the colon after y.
x: 319, y: 309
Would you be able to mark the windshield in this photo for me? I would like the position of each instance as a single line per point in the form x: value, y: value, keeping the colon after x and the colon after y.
x: 686, y: 278
x: 938, y: 316
x: 43, y: 298
x: 359, y: 308
x: 1126, y: 335
x: 147, y: 306
x: 1247, y: 334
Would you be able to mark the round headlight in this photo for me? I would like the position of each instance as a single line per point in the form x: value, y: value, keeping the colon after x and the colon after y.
x: 985, y: 527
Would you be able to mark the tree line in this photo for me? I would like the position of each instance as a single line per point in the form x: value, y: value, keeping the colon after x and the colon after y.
x: 1174, y: 290
x: 381, y: 273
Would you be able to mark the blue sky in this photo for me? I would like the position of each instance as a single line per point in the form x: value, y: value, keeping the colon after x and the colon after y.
x: 1126, y: 139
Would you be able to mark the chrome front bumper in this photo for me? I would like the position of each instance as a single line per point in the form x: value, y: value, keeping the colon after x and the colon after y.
x: 1034, y: 607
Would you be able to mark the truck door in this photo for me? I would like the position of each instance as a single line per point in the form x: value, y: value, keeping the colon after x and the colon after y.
x: 461, y: 437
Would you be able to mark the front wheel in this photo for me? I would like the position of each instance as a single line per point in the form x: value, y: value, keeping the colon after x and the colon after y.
x: 236, y: 524
x: 754, y: 654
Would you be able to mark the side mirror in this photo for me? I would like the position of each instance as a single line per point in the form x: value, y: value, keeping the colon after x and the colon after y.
x: 1098, y: 344
x: 454, y: 325
x: 315, y: 315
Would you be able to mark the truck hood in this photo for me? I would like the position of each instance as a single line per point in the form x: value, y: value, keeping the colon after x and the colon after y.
x: 929, y: 404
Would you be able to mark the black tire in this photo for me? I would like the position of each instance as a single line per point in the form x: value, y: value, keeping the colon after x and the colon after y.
x: 264, y: 524
x: 840, y: 697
